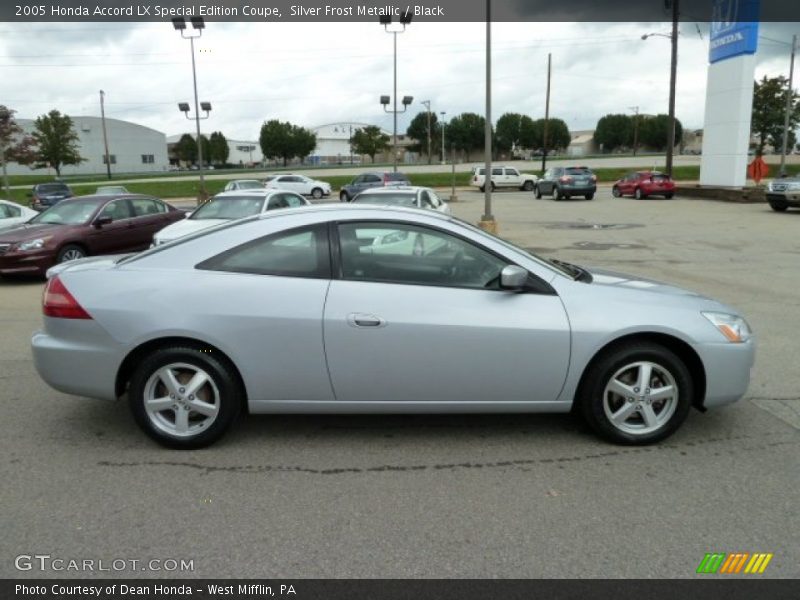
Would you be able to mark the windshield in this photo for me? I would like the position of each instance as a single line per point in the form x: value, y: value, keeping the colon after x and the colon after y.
x: 49, y: 188
x: 72, y: 212
x: 229, y: 207
x: 393, y: 199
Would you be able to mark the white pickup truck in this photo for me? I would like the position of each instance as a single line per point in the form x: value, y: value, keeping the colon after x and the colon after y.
x: 504, y: 177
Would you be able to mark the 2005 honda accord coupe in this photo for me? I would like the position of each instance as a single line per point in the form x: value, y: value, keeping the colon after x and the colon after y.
x: 366, y: 309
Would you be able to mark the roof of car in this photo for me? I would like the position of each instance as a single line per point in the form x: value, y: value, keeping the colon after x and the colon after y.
x: 392, y: 189
x: 262, y: 192
x: 106, y: 197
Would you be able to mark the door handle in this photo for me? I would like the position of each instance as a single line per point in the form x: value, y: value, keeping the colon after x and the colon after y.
x: 365, y: 320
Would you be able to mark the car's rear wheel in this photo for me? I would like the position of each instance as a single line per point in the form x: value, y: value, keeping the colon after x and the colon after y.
x: 615, y: 191
x: 316, y: 193
x: 70, y: 252
x: 527, y: 186
x: 344, y: 197
x: 778, y: 206
x: 538, y: 193
x: 639, y: 393
x: 556, y: 193
x: 589, y: 196
x: 638, y: 194
x: 185, y: 397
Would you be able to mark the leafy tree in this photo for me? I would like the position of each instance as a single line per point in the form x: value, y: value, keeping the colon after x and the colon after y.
x: 418, y: 130
x: 15, y: 144
x: 186, y: 148
x: 614, y: 131
x: 769, y: 110
x: 369, y: 140
x: 514, y: 130
x: 467, y: 132
x: 218, y: 149
x: 654, y: 131
x: 303, y: 141
x: 558, y: 136
x: 56, y: 142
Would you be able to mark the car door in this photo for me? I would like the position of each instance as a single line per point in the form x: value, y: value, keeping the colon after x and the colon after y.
x: 410, y: 319
x: 511, y: 178
x: 149, y: 217
x: 371, y: 181
x: 117, y: 236
x: 546, y: 182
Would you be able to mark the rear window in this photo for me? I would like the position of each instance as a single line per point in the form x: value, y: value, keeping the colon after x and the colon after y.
x: 49, y: 188
x: 660, y: 177
x: 388, y: 199
x: 577, y: 171
x: 395, y: 177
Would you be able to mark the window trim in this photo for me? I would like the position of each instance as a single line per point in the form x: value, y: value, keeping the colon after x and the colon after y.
x: 325, y: 272
x: 537, y: 285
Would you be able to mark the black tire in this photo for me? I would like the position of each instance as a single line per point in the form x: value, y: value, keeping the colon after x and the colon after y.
x: 538, y: 193
x: 615, y: 192
x: 669, y: 195
x: 591, y: 403
x: 639, y: 195
x: 316, y: 193
x: 70, y: 252
x: 231, y: 394
x: 527, y: 186
x: 589, y: 196
x: 344, y: 197
x: 556, y: 193
x: 778, y: 206
x: 482, y: 189
x: 493, y: 186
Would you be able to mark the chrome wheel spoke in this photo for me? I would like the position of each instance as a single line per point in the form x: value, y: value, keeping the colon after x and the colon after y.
x: 649, y: 415
x: 182, y: 420
x: 198, y: 380
x: 204, y: 408
x: 159, y: 404
x: 621, y: 389
x: 645, y: 374
x: 169, y: 380
x: 624, y: 413
x: 662, y: 393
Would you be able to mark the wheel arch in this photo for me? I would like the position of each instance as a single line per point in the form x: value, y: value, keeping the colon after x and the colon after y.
x: 126, y: 368
x: 676, y: 345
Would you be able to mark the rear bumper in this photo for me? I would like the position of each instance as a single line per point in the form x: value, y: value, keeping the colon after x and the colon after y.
x: 577, y: 191
x: 728, y: 368
x: 77, y: 357
x: 658, y: 191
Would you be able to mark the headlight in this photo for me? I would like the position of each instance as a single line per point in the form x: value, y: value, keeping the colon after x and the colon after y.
x: 36, y: 244
x: 734, y: 328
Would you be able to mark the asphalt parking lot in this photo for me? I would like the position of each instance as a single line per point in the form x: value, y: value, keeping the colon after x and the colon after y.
x: 440, y: 496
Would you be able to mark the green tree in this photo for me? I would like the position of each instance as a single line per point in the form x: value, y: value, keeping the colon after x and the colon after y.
x: 466, y: 132
x: 558, y: 136
x: 303, y: 141
x: 614, y: 131
x: 514, y: 130
x: 654, y: 131
x: 369, y: 140
x: 418, y: 130
x: 218, y: 149
x: 769, y: 110
x: 276, y: 140
x: 56, y: 142
x: 15, y: 145
x: 186, y: 148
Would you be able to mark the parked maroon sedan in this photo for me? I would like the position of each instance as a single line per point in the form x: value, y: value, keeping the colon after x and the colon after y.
x: 642, y: 184
x: 83, y: 226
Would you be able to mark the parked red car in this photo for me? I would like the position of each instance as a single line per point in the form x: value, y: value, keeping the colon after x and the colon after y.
x: 642, y: 184
x: 83, y: 226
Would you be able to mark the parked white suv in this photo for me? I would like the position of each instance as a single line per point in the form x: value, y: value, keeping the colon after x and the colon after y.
x: 504, y: 177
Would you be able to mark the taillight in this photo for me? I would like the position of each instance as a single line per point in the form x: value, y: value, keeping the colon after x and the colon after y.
x: 565, y: 179
x: 594, y: 178
x: 59, y: 303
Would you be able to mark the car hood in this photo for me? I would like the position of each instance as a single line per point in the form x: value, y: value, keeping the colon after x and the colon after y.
x: 25, y: 231
x: 634, y: 282
x: 185, y: 227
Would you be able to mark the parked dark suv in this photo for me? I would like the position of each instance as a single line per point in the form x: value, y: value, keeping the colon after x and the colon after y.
x: 565, y: 182
x: 366, y: 181
x: 45, y: 195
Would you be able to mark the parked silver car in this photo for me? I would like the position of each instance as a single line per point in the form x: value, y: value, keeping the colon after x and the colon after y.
x: 366, y: 309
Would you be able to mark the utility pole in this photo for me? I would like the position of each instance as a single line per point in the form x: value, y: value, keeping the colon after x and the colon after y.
x: 672, y: 78
x: 546, y: 112
x: 105, y: 135
x: 351, y: 144
x: 443, y: 113
x: 635, y: 110
x: 487, y: 220
x: 789, y: 106
x: 427, y: 104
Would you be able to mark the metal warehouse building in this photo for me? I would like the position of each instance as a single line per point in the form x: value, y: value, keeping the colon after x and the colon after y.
x: 132, y: 148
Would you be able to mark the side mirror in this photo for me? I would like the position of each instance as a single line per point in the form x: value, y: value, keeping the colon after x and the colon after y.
x: 100, y: 221
x: 513, y: 278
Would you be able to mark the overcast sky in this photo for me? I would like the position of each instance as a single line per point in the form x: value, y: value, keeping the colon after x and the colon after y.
x: 316, y: 73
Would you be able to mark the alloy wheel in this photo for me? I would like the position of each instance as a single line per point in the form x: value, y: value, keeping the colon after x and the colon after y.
x: 640, y: 398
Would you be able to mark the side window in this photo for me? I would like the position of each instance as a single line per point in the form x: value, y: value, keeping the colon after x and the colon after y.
x: 293, y: 200
x: 301, y: 252
x: 144, y: 207
x: 5, y: 211
x: 497, y: 172
x: 512, y: 172
x: 359, y: 179
x: 372, y: 179
x: 425, y: 199
x: 412, y: 255
x: 117, y: 210
x: 548, y: 174
x: 277, y: 201
x: 435, y: 201
x: 160, y: 206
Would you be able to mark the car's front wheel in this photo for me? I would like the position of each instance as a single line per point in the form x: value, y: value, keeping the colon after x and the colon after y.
x: 316, y: 193
x: 527, y: 186
x: 639, y: 393
x: 556, y: 193
x: 639, y: 195
x: 343, y: 197
x: 70, y: 252
x: 538, y: 193
x: 615, y: 191
x: 185, y: 397
x: 778, y: 206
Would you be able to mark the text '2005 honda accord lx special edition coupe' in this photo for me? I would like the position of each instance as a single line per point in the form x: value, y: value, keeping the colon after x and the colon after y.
x: 367, y: 309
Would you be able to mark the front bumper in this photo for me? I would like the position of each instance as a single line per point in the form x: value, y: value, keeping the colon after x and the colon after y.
x: 728, y: 369
x: 787, y: 198
x: 26, y: 263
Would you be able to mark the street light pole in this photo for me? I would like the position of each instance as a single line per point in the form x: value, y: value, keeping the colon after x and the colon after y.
x: 386, y: 21
x: 487, y: 220
x: 105, y: 134
x: 443, y: 113
x: 789, y: 104
x: 672, y: 80
x: 427, y: 104
x: 635, y: 110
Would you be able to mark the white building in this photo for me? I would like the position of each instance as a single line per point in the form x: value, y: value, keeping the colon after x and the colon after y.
x: 132, y: 148
x: 244, y: 153
x: 333, y: 143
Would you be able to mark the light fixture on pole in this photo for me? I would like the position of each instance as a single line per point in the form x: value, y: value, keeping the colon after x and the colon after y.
x: 386, y: 21
x: 179, y: 23
x: 673, y: 37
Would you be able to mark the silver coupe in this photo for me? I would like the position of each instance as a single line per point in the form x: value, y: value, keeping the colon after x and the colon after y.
x: 367, y: 309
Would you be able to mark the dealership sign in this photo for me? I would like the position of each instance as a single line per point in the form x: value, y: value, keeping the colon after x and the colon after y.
x: 734, y: 29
